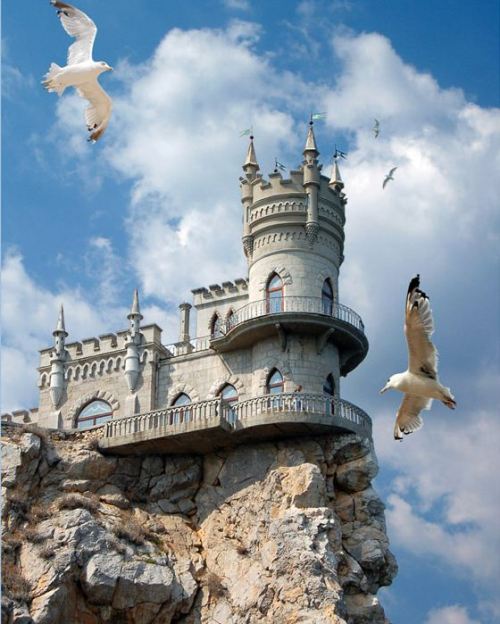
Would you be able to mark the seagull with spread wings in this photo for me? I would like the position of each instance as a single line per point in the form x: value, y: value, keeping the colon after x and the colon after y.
x: 420, y: 383
x: 389, y: 177
x: 376, y: 128
x: 81, y: 71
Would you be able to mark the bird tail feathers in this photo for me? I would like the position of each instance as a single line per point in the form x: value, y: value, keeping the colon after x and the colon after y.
x: 50, y: 81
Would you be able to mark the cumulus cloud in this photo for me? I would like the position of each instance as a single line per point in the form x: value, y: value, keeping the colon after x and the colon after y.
x: 454, y: 614
x: 29, y: 314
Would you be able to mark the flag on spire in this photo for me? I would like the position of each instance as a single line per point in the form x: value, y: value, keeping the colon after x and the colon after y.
x: 318, y: 116
x: 246, y: 132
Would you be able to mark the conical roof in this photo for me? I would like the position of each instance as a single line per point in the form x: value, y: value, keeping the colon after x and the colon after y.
x: 135, y: 309
x: 251, y: 159
x: 60, y: 328
x: 311, y: 140
x: 336, y: 179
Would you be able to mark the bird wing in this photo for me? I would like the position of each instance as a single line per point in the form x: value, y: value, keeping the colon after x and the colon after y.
x: 387, y: 178
x: 392, y: 171
x: 408, y: 419
x: 97, y: 115
x: 80, y: 26
x: 419, y: 327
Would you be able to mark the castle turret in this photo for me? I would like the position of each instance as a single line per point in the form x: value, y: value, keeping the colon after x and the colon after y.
x: 133, y: 343
x: 335, y: 180
x: 57, y: 360
x: 311, y: 171
x: 250, y: 167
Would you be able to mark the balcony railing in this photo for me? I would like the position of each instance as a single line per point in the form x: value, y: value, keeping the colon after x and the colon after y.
x: 342, y: 413
x: 280, y: 305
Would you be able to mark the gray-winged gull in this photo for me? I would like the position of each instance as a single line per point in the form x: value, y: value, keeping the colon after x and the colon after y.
x: 81, y: 71
x: 420, y: 383
x: 388, y: 177
x: 376, y: 128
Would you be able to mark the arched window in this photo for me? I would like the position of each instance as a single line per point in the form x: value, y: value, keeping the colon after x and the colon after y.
x: 182, y: 413
x: 230, y: 395
x: 329, y: 385
x: 275, y: 382
x: 94, y: 413
x: 327, y: 297
x: 329, y: 390
x: 274, y: 294
x: 230, y: 320
x: 215, y: 326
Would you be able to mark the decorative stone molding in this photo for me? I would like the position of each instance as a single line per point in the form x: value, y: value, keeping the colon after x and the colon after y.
x: 248, y: 245
x: 263, y: 374
x: 182, y: 388
x: 217, y: 386
x: 280, y: 270
x: 102, y: 395
x: 323, y: 275
x: 312, y: 230
x: 260, y: 212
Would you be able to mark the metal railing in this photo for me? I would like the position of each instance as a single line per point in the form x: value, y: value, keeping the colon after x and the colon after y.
x: 342, y: 413
x: 291, y: 303
x: 196, y: 344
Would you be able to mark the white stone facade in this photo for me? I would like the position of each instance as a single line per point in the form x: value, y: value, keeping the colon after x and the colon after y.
x: 292, y: 228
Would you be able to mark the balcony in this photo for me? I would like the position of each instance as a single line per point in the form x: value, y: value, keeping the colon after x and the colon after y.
x: 210, y: 425
x: 303, y: 315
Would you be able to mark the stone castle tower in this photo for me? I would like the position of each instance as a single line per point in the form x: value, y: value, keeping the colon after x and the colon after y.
x: 268, y: 352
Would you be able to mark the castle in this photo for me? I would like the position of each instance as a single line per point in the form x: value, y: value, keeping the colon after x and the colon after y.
x: 268, y: 352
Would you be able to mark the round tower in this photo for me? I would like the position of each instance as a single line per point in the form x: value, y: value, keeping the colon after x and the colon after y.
x: 293, y: 239
x: 294, y: 227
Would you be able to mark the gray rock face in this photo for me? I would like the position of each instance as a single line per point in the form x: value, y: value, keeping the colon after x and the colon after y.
x: 283, y: 532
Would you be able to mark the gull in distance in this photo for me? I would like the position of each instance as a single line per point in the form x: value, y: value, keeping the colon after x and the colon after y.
x: 388, y: 177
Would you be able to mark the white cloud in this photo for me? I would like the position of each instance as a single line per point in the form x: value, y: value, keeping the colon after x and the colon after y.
x: 239, y: 5
x: 454, y: 614
x: 444, y: 502
x: 29, y: 314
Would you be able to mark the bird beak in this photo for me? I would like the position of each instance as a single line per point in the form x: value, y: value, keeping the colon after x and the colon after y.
x: 386, y: 387
x: 110, y: 68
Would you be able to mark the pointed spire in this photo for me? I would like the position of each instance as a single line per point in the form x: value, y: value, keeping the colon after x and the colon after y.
x: 251, y: 166
x: 336, y: 180
x: 60, y: 328
x: 311, y: 141
x: 135, y: 310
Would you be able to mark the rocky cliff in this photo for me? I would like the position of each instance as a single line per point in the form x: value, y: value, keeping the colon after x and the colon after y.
x: 281, y: 533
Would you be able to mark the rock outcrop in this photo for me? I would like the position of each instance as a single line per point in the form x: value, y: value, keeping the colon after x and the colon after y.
x: 278, y: 532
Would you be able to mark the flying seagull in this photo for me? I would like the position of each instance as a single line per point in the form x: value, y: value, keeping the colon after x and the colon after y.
x: 376, y: 128
x: 81, y: 71
x: 389, y: 177
x: 420, y: 383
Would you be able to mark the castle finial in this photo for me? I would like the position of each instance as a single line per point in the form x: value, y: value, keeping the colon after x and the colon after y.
x: 311, y: 142
x: 336, y: 180
x: 60, y: 328
x: 135, y: 310
x: 251, y: 166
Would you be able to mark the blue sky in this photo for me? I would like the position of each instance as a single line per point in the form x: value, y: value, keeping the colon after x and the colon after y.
x: 86, y: 224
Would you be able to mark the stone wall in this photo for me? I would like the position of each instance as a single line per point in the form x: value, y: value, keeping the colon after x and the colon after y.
x: 202, y: 375
x: 284, y: 532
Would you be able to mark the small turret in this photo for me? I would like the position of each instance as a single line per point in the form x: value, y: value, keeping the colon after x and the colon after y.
x: 336, y: 180
x: 250, y: 167
x: 58, y: 358
x: 133, y: 343
x: 311, y: 171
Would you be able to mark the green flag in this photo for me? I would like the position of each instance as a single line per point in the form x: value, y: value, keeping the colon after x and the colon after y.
x: 246, y: 132
x: 318, y: 116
